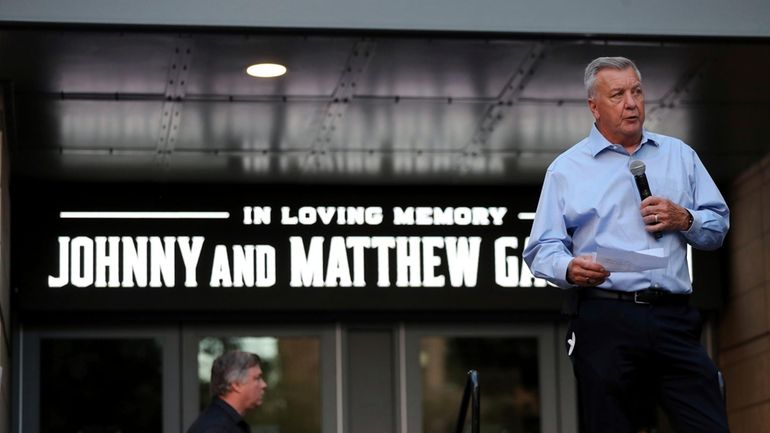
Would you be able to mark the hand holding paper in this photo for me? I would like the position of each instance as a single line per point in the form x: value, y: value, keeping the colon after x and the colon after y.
x: 615, y: 260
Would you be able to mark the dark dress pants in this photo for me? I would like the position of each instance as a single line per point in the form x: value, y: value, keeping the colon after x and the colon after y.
x: 628, y: 357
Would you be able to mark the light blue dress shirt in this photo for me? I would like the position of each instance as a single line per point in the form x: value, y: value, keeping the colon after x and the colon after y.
x: 589, y: 199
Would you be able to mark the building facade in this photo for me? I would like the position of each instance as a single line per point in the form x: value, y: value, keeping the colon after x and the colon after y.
x: 358, y: 222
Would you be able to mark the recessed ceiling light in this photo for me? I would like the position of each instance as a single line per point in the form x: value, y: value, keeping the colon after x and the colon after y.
x: 266, y: 70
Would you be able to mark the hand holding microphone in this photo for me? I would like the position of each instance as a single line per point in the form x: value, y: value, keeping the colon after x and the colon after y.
x: 658, y: 213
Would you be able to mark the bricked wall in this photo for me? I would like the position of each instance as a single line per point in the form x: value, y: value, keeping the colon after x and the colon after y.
x: 744, y: 332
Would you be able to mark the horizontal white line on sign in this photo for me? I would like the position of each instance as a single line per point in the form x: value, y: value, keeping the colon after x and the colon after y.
x: 526, y: 215
x: 146, y: 215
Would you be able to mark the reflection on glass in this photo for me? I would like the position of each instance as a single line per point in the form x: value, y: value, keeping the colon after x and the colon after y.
x: 292, y: 370
x: 100, y: 386
x: 508, y: 381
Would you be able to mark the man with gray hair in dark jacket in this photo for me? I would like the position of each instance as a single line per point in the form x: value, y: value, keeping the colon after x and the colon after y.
x: 237, y: 386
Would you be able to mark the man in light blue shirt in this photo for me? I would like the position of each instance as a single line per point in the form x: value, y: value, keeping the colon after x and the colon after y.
x: 633, y: 335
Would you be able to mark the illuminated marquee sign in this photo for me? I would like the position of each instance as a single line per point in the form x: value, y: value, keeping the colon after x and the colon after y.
x: 335, y: 249
x: 322, y: 246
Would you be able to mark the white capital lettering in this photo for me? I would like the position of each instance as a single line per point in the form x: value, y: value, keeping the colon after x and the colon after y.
x: 64, y: 272
x: 506, y: 267
x: 463, y: 260
x: 306, y: 269
x: 190, y: 256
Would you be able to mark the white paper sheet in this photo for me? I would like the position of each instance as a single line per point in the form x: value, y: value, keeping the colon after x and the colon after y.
x: 630, y: 261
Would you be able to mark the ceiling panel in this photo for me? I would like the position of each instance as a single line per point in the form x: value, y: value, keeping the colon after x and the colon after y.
x: 219, y: 61
x: 408, y: 125
x: 559, y: 75
x: 87, y: 62
x: 546, y: 128
x: 247, y: 126
x: 70, y: 125
x: 440, y: 68
x: 174, y: 104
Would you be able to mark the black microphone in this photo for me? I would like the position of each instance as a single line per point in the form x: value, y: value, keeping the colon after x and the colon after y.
x: 637, y: 168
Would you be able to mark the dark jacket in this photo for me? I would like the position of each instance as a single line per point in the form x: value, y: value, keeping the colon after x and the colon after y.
x: 219, y: 417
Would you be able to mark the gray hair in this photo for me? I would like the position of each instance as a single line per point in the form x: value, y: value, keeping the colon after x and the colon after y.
x: 596, y: 65
x: 231, y: 367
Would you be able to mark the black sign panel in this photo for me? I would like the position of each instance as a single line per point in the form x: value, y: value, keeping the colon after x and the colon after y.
x: 188, y: 247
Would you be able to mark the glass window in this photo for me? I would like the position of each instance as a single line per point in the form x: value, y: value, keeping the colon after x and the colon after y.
x: 508, y: 379
x: 101, y: 385
x: 518, y: 371
x: 292, y: 370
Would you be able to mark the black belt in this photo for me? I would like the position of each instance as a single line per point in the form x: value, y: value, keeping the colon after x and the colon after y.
x: 646, y: 296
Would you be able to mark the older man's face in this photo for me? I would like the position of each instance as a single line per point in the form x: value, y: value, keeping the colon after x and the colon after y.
x: 618, y: 106
x: 252, y: 389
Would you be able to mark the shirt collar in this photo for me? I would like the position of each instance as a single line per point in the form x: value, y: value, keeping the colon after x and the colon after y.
x: 597, y: 142
x: 229, y: 410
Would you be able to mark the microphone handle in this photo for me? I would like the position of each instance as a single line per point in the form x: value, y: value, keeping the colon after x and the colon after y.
x: 644, y: 192
x: 642, y: 186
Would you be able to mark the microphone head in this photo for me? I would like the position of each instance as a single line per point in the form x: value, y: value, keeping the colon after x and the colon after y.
x: 637, y: 167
